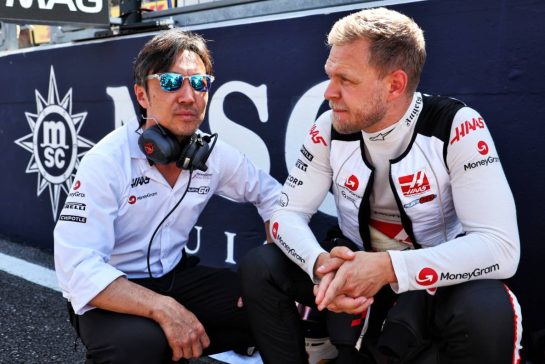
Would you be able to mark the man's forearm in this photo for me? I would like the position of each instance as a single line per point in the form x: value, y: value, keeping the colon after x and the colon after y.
x: 124, y: 296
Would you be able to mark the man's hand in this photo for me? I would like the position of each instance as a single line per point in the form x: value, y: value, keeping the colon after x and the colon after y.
x: 326, y: 263
x: 184, y: 332
x: 326, y: 266
x: 355, y: 280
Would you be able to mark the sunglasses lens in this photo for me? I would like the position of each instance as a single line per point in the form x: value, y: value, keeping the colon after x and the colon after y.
x: 200, y: 82
x: 171, y: 81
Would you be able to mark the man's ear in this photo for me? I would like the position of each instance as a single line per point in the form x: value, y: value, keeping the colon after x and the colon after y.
x: 398, y: 84
x: 141, y: 96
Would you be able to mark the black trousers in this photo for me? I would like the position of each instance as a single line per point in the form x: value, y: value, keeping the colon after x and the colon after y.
x: 469, y: 323
x: 210, y: 293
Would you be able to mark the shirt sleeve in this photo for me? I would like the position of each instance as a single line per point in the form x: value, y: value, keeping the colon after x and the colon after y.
x: 304, y: 190
x: 84, y: 234
x: 242, y: 181
x: 484, y: 204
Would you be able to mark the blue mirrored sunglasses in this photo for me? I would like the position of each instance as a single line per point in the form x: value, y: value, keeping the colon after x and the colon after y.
x: 173, y: 81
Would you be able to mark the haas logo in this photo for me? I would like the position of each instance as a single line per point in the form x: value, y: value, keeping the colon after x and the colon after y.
x: 414, y: 184
x: 427, y: 277
x: 352, y: 183
x: 275, y: 230
x: 148, y: 148
x: 316, y: 137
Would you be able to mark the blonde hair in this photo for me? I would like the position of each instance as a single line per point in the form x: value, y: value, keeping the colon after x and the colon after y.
x: 397, y: 42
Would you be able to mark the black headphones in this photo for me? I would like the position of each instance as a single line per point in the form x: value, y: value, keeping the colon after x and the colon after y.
x: 161, y: 146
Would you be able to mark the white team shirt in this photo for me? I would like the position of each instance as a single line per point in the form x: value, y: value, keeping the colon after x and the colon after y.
x: 117, y: 201
x: 481, y: 198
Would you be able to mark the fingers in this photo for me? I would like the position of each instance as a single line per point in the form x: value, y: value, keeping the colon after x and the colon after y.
x: 177, y: 352
x: 190, y: 342
x: 320, y: 289
x: 330, y: 265
x: 350, y: 305
x: 240, y: 303
x: 331, y: 291
x: 342, y: 252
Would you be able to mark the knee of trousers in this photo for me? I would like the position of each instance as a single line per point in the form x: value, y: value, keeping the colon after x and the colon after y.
x: 480, y: 312
x: 139, y: 341
x: 259, y: 268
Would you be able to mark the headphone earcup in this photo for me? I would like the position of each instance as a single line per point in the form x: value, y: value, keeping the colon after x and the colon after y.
x: 159, y: 145
x: 194, y: 154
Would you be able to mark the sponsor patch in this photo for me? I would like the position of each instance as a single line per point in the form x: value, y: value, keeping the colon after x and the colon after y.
x: 139, y: 181
x: 275, y: 230
x: 301, y: 165
x: 420, y: 200
x: 306, y: 154
x: 482, y: 147
x: 467, y: 127
x: 73, y: 218
x: 476, y: 273
x: 293, y: 182
x: 352, y: 183
x: 483, y: 162
x: 316, y: 137
x: 202, y: 190
x: 77, y: 194
x: 414, y: 184
x: 75, y: 206
x: 426, y: 277
x: 283, y: 201
x: 133, y: 199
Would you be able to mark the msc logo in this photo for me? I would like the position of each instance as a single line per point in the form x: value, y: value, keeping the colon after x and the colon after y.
x: 427, y: 277
x: 54, y: 142
x: 414, y: 184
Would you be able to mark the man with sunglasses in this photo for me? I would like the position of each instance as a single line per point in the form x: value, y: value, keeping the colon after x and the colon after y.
x: 134, y: 296
x: 421, y: 193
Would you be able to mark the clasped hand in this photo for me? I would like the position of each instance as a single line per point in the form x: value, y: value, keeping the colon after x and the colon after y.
x: 349, y: 280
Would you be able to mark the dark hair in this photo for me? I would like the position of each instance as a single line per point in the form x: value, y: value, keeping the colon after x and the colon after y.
x: 160, y: 52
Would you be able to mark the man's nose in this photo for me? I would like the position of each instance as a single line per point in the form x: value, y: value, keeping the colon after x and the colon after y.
x: 332, y: 91
x: 186, y: 94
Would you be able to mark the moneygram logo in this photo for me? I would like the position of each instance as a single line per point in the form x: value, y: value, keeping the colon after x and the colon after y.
x: 427, y: 277
x: 275, y: 230
x: 54, y: 142
x: 352, y: 183
x: 482, y: 147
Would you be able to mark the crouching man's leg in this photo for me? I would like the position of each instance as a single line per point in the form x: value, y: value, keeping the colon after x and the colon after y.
x: 477, y: 322
x: 473, y: 322
x: 119, y: 338
x: 271, y: 283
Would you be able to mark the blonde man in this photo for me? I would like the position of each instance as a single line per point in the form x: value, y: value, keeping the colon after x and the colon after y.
x: 420, y: 194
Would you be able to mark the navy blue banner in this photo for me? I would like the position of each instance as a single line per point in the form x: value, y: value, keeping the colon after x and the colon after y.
x: 56, y: 103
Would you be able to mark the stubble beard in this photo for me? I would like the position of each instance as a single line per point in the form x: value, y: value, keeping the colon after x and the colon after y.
x: 362, y: 119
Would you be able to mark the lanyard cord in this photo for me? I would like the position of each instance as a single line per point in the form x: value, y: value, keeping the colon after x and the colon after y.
x: 162, y: 221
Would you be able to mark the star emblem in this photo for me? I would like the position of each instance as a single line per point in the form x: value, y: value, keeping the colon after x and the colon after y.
x: 54, y: 142
x: 381, y: 136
